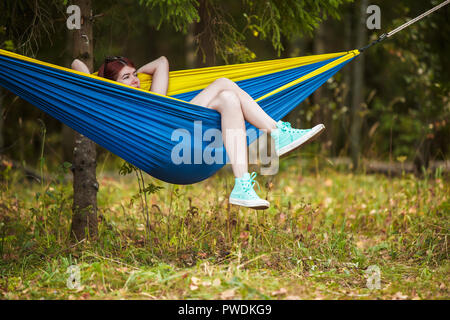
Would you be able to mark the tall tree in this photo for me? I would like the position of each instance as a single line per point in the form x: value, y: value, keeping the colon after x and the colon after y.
x: 85, y: 185
x: 1, y: 120
x: 358, y: 85
x: 204, y: 30
x: 67, y: 133
x: 190, y: 47
x: 318, y: 95
x: 347, y: 77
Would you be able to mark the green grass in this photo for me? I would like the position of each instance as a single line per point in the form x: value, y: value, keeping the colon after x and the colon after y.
x: 323, y: 230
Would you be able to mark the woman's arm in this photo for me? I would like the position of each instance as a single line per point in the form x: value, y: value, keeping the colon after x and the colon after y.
x: 159, y: 69
x: 79, y: 66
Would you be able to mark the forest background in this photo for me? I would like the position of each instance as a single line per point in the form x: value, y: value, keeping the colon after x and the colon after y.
x: 371, y: 192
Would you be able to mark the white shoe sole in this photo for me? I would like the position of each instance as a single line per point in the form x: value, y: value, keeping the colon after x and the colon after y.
x: 310, y: 136
x: 254, y: 204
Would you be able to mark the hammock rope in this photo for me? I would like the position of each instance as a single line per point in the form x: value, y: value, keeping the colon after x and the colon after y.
x: 405, y: 25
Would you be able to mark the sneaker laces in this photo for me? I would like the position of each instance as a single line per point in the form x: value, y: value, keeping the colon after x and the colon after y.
x: 286, y: 126
x: 248, y: 185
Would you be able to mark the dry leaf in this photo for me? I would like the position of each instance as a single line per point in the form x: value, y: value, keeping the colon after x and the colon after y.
x: 216, y: 282
x: 193, y: 287
x: 85, y: 296
x: 279, y: 292
x: 79, y: 289
x: 227, y: 294
x: 288, y: 190
x: 399, y: 296
x: 148, y: 295
x: 244, y: 235
x: 195, y: 281
x: 206, y: 283
x: 360, y: 245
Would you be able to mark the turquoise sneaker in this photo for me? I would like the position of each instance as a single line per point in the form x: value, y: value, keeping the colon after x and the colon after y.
x: 244, y: 195
x: 287, y: 138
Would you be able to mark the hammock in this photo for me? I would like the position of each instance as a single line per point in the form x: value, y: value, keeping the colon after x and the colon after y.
x: 137, y: 124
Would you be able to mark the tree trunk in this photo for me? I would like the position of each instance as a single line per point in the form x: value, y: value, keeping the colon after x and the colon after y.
x: 422, y: 156
x: 358, y: 86
x: 67, y: 133
x: 318, y: 97
x: 344, y: 133
x: 1, y: 121
x: 295, y: 48
x: 85, y: 185
x: 190, y: 47
x: 203, y: 32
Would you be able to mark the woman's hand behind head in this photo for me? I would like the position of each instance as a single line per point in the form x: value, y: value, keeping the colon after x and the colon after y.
x: 79, y: 66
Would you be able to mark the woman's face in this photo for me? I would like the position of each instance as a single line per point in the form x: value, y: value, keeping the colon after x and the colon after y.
x: 128, y: 76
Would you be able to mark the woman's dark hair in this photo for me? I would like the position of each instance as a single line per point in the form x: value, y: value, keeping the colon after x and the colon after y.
x: 111, y: 67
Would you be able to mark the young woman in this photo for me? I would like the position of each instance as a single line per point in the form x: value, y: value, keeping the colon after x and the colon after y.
x: 234, y: 105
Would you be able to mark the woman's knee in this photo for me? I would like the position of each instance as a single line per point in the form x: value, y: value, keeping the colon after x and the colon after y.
x: 225, y: 83
x: 227, y: 100
x: 230, y: 98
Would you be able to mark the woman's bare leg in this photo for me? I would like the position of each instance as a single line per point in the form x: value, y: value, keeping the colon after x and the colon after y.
x: 252, y: 112
x: 234, y: 136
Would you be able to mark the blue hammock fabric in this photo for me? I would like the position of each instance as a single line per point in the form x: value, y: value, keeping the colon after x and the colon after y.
x: 136, y: 125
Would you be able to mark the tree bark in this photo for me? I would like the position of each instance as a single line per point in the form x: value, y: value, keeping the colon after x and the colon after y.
x: 1, y: 120
x: 67, y: 133
x: 344, y: 133
x: 318, y: 97
x: 295, y: 48
x: 190, y: 47
x: 203, y: 32
x: 358, y: 86
x: 422, y: 156
x: 85, y: 185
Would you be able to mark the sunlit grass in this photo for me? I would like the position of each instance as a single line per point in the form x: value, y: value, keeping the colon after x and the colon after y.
x: 323, y: 230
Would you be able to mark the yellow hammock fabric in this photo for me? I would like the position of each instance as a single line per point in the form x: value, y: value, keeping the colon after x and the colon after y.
x: 183, y: 81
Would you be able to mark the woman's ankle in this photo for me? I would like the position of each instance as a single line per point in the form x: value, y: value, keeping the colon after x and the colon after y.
x: 241, y: 175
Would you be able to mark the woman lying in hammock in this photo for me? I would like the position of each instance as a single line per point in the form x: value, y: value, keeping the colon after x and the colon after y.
x: 234, y: 105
